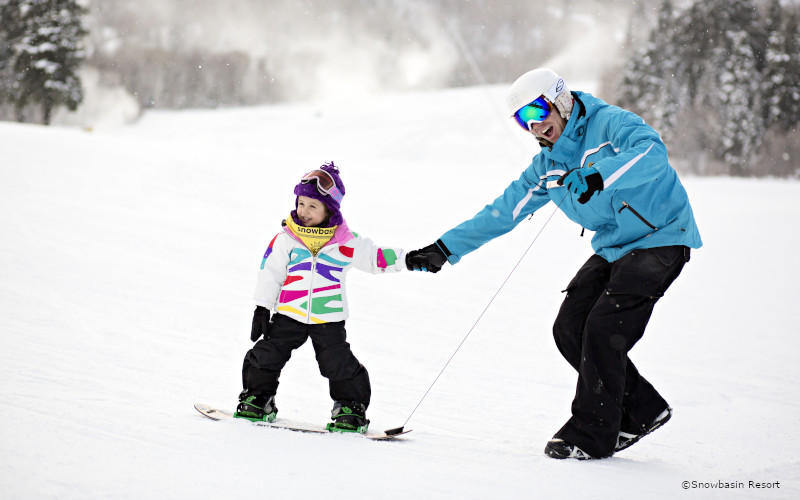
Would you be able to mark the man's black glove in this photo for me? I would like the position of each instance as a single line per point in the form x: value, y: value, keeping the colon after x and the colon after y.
x: 430, y: 259
x: 260, y: 323
x: 582, y: 181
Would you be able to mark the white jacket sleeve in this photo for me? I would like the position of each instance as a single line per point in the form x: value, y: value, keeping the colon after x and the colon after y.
x: 373, y: 259
x: 274, y: 268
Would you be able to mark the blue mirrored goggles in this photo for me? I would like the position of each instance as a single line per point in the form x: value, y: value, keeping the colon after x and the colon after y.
x: 534, y: 112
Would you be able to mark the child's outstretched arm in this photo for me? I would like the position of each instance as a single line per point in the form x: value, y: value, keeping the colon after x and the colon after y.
x: 375, y: 259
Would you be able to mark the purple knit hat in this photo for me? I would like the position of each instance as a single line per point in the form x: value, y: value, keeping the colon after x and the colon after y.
x: 310, y: 190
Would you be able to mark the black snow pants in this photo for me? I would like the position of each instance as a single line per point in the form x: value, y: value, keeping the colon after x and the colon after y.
x: 348, y: 380
x: 604, y: 313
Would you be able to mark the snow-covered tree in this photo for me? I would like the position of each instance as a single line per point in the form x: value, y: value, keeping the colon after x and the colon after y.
x: 776, y: 59
x: 648, y: 76
x: 737, y: 101
x: 782, y: 72
x: 790, y: 103
x: 714, y: 76
x: 43, y: 51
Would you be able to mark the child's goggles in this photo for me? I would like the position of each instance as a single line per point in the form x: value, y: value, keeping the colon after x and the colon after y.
x: 535, y: 112
x: 325, y: 184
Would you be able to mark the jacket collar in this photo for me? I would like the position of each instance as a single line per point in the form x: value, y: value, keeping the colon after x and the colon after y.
x: 567, y: 148
x: 342, y: 234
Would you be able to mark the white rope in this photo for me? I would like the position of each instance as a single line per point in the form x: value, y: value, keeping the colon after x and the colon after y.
x: 484, y: 311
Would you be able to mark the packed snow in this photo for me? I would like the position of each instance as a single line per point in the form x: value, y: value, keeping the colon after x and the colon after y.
x: 128, y: 258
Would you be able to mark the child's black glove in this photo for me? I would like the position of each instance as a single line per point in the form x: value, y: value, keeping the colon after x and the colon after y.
x: 260, y: 323
x: 430, y: 259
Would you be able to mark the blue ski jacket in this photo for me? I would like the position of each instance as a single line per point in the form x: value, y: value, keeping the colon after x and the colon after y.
x: 642, y: 205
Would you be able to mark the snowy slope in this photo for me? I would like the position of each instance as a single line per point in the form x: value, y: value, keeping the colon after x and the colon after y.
x: 128, y: 258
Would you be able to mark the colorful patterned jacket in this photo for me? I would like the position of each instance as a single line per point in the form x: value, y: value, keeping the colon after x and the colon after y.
x: 311, y: 288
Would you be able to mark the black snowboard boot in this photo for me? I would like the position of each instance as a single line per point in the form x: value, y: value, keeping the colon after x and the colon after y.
x: 349, y: 416
x: 256, y: 408
x: 627, y: 439
x: 558, y: 448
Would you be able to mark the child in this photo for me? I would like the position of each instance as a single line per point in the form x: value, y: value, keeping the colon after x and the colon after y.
x: 302, y: 279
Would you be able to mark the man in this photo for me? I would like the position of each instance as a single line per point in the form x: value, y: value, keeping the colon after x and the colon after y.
x: 608, y: 171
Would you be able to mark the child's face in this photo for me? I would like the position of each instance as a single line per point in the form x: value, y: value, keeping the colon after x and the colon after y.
x: 311, y: 212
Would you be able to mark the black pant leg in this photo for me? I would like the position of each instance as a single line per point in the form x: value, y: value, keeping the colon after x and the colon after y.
x: 609, y: 387
x: 263, y: 363
x: 583, y: 291
x: 641, y: 403
x: 597, y: 408
x: 348, y: 379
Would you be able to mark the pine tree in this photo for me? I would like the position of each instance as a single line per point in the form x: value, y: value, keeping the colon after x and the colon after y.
x: 782, y: 72
x: 776, y: 58
x: 790, y: 117
x: 665, y: 86
x: 43, y: 52
x: 647, y: 82
x: 738, y: 101
x: 701, y: 74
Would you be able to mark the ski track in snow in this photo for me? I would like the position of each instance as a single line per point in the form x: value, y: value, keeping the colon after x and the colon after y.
x: 128, y: 258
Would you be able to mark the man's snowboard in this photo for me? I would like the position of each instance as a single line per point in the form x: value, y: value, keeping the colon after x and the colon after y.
x: 217, y: 414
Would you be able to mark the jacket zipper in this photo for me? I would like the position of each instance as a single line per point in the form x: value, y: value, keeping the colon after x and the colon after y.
x: 311, y: 287
x: 637, y: 214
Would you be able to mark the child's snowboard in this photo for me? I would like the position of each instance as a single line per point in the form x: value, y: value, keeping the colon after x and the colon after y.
x: 217, y: 414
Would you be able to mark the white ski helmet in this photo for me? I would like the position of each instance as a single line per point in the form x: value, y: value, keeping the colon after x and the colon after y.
x: 540, y: 82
